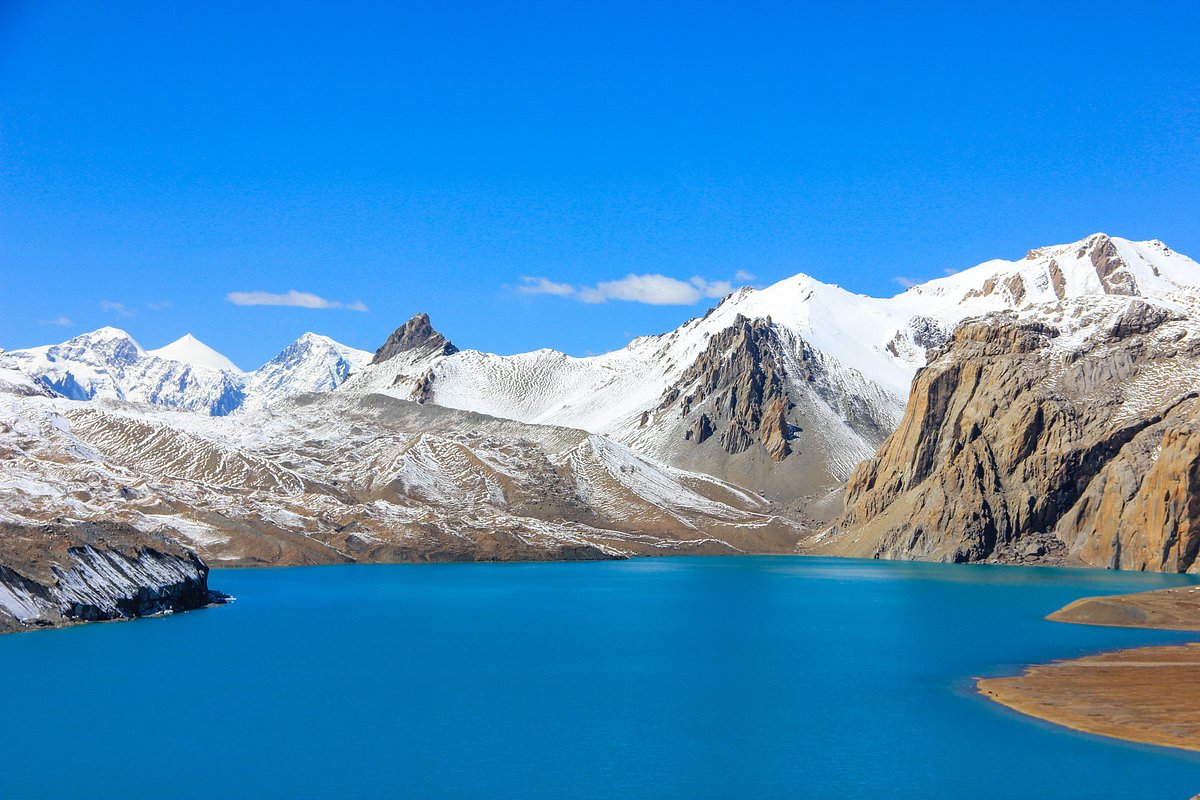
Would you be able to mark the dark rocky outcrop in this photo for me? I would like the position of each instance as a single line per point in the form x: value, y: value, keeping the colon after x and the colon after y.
x: 415, y: 335
x: 59, y: 574
x: 423, y: 390
x: 1111, y: 269
x: 742, y: 376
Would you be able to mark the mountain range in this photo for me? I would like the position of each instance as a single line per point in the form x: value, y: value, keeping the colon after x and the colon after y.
x: 736, y: 432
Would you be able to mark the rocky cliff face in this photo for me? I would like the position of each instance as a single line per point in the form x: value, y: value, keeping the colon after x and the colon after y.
x: 762, y: 407
x: 1020, y: 443
x: 741, y: 374
x: 52, y: 575
x: 416, y: 335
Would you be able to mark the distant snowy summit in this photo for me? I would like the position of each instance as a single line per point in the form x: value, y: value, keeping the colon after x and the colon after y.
x: 189, y: 350
x: 312, y: 363
x: 186, y: 375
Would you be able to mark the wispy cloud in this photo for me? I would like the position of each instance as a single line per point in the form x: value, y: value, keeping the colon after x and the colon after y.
x: 743, y: 276
x: 907, y: 283
x: 120, y: 309
x: 656, y: 290
x: 530, y: 285
x: 159, y: 306
x: 293, y: 298
x: 59, y: 320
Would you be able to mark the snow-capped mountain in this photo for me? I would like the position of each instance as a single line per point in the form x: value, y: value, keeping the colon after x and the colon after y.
x: 108, y: 363
x: 312, y: 363
x: 186, y: 375
x: 187, y: 349
x: 733, y: 432
x: 782, y: 389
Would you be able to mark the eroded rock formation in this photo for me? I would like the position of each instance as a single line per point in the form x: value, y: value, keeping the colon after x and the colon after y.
x: 1019, y: 444
x: 742, y: 372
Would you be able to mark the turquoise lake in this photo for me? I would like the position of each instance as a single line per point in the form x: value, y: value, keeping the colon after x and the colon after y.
x: 663, y: 678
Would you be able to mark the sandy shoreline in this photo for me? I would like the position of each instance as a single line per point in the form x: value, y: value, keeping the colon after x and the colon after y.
x: 1145, y: 694
x: 1175, y: 609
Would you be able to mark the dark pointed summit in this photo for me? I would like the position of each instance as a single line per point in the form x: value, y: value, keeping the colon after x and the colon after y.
x: 416, y: 334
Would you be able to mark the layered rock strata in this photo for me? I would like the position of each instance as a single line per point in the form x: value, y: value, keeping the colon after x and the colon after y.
x: 1022, y: 444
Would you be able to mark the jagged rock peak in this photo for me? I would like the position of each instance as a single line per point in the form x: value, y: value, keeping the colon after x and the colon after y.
x: 740, y: 380
x: 416, y: 334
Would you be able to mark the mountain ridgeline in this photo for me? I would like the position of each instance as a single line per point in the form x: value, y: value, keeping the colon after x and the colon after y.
x: 1042, y: 410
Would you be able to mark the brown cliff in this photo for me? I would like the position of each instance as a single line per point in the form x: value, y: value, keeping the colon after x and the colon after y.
x: 1022, y: 445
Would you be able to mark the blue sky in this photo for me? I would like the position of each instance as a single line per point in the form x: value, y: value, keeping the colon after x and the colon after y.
x: 157, y: 158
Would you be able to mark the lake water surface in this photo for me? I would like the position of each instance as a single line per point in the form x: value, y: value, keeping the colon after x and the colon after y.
x: 671, y: 678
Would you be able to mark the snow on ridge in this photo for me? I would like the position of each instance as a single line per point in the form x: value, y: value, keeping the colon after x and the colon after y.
x: 879, y: 342
x: 871, y: 346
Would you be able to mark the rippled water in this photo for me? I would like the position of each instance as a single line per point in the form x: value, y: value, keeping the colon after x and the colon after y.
x: 681, y: 678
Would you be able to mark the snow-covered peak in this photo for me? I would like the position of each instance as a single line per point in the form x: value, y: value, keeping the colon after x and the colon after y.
x: 314, y: 345
x: 108, y: 363
x: 1095, y: 265
x: 108, y: 339
x: 95, y: 347
x: 308, y: 338
x: 312, y: 363
x: 189, y: 350
x: 101, y: 334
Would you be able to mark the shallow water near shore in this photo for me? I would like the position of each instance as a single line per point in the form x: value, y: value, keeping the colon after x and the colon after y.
x: 681, y: 677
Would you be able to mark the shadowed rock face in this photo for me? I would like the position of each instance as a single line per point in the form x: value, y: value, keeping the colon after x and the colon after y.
x: 52, y: 575
x: 416, y: 334
x: 1018, y: 446
x: 1111, y: 269
x: 742, y: 370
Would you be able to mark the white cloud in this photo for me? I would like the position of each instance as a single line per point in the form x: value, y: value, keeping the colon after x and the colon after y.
x: 743, y: 276
x: 59, y: 320
x: 293, y: 298
x: 115, y: 308
x: 907, y: 283
x: 159, y: 306
x: 531, y: 285
x: 657, y: 290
